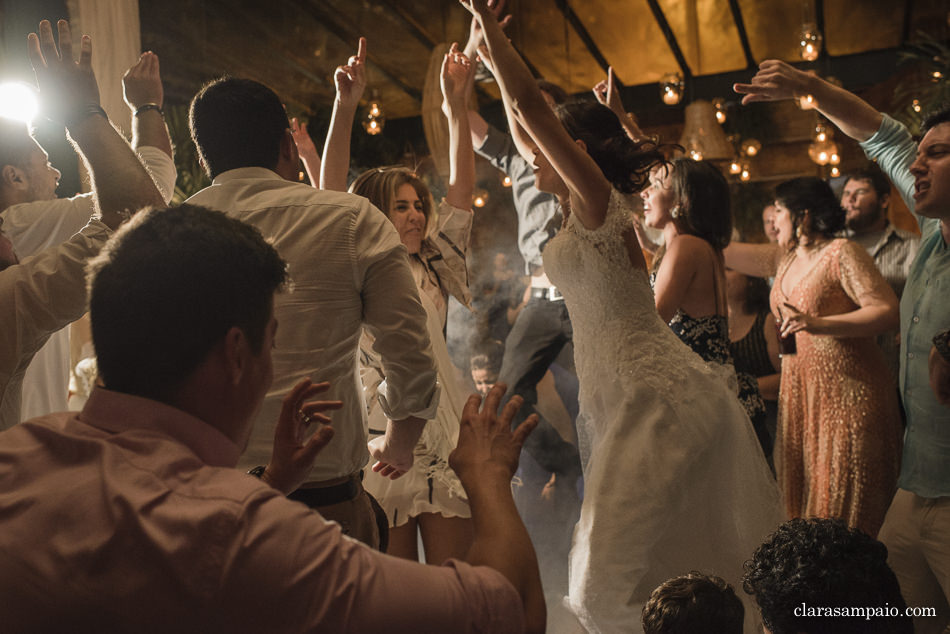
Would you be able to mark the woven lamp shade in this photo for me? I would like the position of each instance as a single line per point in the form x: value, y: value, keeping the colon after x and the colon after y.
x: 701, y: 131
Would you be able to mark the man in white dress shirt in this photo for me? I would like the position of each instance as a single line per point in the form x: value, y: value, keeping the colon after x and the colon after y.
x: 349, y: 271
x: 35, y: 219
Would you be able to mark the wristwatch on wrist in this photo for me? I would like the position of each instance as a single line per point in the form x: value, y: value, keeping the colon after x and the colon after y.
x: 258, y: 471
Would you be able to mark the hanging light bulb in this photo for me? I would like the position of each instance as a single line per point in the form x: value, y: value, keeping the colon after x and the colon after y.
x: 834, y: 159
x: 823, y: 150
x: 720, y: 106
x: 735, y: 167
x: 936, y: 75
x: 810, y: 42
x: 821, y: 135
x: 375, y: 119
x: 746, y: 174
x: 480, y: 198
x: 506, y: 181
x: 671, y: 88
x: 751, y: 147
x: 915, y: 104
x: 835, y: 172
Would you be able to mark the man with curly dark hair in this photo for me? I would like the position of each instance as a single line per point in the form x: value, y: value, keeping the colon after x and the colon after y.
x: 818, y: 576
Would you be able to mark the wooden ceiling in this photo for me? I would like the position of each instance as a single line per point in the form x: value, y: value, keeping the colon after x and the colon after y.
x: 294, y: 45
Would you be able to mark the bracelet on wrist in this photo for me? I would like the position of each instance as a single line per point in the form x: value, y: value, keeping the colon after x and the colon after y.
x: 145, y: 107
x: 84, y: 112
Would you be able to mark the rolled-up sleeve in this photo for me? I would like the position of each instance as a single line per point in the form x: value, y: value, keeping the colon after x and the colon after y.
x: 394, y: 316
x: 161, y: 168
x: 894, y: 149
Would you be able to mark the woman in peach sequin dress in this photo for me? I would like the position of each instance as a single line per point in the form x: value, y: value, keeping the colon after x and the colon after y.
x: 837, y: 450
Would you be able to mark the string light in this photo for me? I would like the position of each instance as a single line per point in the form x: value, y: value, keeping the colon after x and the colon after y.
x: 375, y: 119
x: 751, y: 147
x: 506, y: 181
x: 835, y: 172
x: 823, y: 150
x: 807, y: 102
x: 915, y: 104
x: 480, y: 198
x: 671, y: 88
x: 809, y: 41
x: 746, y: 174
x: 735, y: 167
x: 720, y: 107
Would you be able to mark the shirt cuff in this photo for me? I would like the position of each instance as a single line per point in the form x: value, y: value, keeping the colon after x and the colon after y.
x: 425, y: 409
x: 494, y: 145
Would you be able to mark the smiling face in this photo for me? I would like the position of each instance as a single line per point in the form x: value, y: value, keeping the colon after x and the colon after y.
x: 658, y: 199
x: 408, y: 217
x: 931, y: 170
x: 864, y: 211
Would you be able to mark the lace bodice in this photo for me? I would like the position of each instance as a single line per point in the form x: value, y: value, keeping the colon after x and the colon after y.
x: 611, y: 304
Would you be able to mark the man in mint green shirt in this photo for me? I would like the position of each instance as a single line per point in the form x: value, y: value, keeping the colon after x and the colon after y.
x: 917, y: 526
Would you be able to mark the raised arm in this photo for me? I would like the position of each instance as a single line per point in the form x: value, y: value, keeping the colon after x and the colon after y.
x: 458, y: 74
x: 144, y: 94
x: 777, y: 81
x: 307, y: 151
x: 350, y: 82
x: 119, y: 181
x: 607, y: 93
x: 588, y: 187
x: 485, y: 460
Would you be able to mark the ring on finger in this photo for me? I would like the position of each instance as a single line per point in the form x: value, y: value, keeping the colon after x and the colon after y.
x: 305, y: 417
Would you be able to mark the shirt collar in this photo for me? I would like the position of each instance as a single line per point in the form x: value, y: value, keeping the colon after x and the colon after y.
x: 116, y: 412
x: 244, y: 173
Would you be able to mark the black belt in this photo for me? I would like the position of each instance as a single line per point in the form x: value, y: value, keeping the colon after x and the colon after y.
x: 549, y: 293
x: 327, y: 496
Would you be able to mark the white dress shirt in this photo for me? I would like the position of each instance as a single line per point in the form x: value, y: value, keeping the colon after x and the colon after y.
x: 41, y: 224
x: 349, y: 270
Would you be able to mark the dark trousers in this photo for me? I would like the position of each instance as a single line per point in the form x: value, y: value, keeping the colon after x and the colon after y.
x: 540, y: 334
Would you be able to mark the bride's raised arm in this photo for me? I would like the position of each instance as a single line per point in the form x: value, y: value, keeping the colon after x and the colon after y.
x: 588, y: 187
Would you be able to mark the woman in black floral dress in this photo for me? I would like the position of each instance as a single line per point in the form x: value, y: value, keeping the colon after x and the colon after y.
x: 689, y: 201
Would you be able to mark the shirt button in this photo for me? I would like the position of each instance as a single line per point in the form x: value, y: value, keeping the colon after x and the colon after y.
x: 916, y: 319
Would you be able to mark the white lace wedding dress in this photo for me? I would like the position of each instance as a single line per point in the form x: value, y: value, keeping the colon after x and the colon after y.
x: 674, y: 479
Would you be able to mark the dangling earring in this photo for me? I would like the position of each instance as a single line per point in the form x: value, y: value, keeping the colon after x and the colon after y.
x: 675, y: 211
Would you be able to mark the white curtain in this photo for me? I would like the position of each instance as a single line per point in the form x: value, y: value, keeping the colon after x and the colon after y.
x: 113, y: 26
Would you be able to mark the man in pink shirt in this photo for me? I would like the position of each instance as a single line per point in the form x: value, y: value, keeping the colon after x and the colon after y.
x: 130, y: 515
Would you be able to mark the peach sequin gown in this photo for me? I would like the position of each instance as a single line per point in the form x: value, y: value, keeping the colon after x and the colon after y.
x: 837, y: 453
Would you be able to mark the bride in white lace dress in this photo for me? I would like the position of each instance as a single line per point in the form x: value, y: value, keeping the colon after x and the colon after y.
x: 674, y: 478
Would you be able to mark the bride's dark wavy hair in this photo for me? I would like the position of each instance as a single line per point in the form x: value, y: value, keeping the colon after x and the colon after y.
x: 624, y: 162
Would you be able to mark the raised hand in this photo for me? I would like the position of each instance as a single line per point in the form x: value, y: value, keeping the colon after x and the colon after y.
x: 607, y: 93
x: 775, y: 81
x: 305, y: 145
x: 456, y: 79
x: 68, y: 87
x: 480, y: 8
x: 142, y: 83
x: 294, y: 453
x: 350, y: 79
x: 475, y: 34
x: 486, y: 443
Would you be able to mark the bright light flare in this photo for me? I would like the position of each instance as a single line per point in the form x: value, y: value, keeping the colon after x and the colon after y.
x: 18, y: 101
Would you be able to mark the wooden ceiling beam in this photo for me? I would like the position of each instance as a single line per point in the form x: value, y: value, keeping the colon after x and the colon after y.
x: 419, y: 32
x: 743, y: 36
x: 670, y: 38
x: 582, y: 33
x: 348, y: 35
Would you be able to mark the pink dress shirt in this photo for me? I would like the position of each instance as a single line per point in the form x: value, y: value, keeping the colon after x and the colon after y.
x: 129, y: 516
